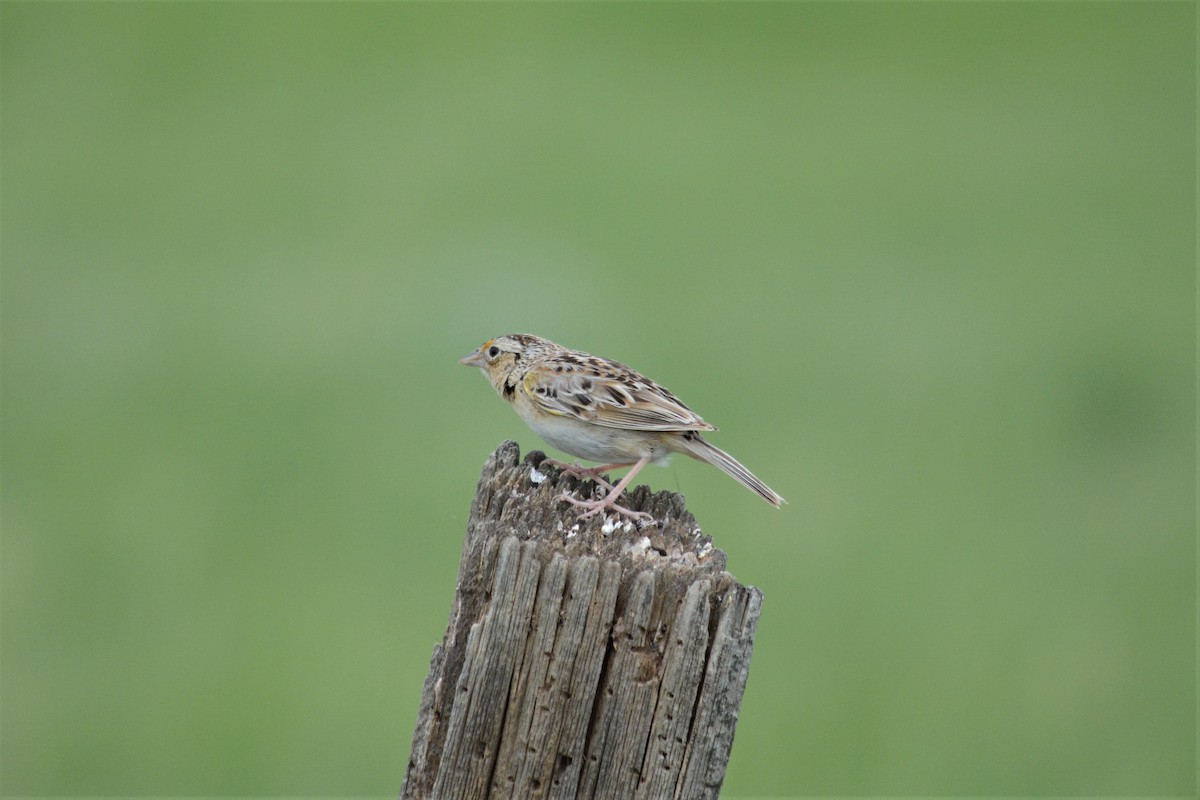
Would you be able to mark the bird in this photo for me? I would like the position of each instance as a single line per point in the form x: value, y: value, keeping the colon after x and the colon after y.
x: 600, y: 410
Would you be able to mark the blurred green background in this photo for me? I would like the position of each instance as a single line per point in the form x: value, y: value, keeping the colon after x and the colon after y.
x: 929, y: 267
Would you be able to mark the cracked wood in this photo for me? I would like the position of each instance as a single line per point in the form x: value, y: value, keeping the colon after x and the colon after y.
x: 582, y: 660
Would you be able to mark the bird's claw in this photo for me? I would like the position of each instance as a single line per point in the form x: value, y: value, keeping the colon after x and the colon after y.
x: 594, y: 507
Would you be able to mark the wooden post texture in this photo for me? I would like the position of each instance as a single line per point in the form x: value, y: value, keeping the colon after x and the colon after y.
x: 582, y: 659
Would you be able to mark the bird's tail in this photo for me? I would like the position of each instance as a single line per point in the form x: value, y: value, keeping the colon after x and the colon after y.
x: 697, y: 448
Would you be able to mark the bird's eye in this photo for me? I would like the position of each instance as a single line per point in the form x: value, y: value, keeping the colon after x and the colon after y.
x: 493, y: 351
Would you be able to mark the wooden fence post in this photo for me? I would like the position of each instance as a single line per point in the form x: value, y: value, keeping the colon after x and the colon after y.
x: 582, y: 660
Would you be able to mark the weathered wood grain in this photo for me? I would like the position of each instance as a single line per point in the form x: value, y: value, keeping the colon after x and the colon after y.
x: 582, y: 660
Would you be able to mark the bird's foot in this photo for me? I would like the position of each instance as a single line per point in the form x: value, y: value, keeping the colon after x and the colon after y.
x: 594, y: 507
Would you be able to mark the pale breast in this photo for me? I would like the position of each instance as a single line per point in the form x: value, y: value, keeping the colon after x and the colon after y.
x: 594, y: 442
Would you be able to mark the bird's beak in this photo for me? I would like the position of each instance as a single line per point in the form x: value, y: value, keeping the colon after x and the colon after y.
x: 474, y: 359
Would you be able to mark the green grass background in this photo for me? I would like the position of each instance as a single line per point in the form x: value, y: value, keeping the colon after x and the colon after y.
x: 930, y: 267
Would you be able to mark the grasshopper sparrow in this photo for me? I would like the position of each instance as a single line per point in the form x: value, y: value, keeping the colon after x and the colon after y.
x: 600, y: 410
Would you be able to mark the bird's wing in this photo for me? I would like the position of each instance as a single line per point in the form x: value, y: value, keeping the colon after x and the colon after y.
x: 606, y: 393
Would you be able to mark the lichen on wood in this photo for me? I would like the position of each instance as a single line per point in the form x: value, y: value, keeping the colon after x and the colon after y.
x: 584, y: 659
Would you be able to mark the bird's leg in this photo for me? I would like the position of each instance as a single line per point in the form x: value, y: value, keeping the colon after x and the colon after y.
x: 594, y: 507
x: 577, y: 470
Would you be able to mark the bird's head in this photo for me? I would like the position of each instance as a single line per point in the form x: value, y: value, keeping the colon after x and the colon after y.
x: 498, y: 358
